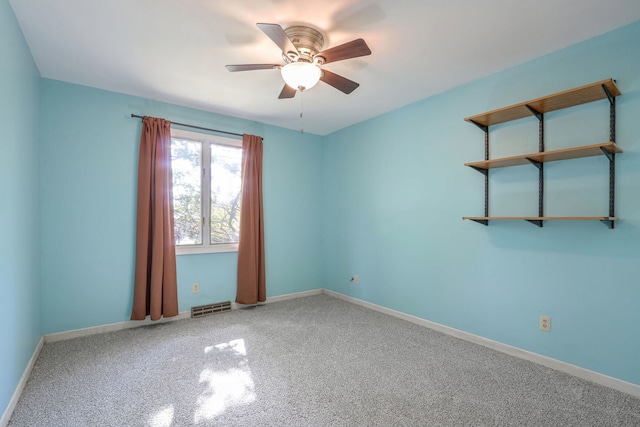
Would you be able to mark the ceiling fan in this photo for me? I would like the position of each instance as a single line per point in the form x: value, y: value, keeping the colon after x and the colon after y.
x: 301, y: 51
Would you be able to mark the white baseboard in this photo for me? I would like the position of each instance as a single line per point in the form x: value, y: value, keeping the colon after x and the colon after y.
x: 577, y: 371
x: 67, y: 335
x: 4, y: 421
x: 294, y: 295
x: 278, y: 298
x: 60, y: 336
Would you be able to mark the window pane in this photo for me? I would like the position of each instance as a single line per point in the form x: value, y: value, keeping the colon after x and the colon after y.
x: 226, y: 165
x: 187, y: 199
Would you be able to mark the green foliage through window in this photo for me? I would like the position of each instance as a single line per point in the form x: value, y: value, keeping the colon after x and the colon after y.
x: 226, y: 184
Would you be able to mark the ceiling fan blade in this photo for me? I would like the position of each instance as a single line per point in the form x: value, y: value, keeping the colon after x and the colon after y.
x: 251, y: 67
x: 352, y: 49
x: 341, y: 83
x: 287, y: 92
x: 279, y: 37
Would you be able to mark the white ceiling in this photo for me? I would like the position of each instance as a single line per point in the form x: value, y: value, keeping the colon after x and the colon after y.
x: 175, y: 51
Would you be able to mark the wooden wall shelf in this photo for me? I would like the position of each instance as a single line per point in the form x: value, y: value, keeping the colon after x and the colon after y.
x: 608, y: 220
x: 558, y: 101
x: 541, y: 218
x: 548, y: 156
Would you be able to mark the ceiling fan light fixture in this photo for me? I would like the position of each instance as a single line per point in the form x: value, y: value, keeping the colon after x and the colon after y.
x: 301, y: 75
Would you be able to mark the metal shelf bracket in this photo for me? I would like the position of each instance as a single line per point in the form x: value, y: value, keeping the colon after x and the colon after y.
x: 535, y: 222
x: 610, y: 97
x: 609, y: 223
x: 607, y: 153
x: 535, y: 112
x: 482, y: 127
x: 484, y: 172
x: 535, y: 163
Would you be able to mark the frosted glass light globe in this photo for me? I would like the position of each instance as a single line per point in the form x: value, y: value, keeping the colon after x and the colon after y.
x: 301, y: 75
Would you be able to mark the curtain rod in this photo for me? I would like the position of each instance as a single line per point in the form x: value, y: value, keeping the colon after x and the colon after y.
x: 194, y: 127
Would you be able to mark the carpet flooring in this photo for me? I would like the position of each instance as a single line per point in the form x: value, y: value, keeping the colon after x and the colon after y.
x: 313, y: 361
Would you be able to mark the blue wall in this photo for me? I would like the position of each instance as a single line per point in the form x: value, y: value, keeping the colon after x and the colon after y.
x: 396, y: 189
x: 19, y: 249
x: 89, y: 149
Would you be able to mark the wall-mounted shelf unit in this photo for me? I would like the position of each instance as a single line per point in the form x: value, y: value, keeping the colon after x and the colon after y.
x: 605, y: 89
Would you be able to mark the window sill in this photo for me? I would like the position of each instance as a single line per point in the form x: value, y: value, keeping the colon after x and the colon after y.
x: 200, y: 249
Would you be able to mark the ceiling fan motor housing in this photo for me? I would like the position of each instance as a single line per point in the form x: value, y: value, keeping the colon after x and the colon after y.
x: 307, y: 40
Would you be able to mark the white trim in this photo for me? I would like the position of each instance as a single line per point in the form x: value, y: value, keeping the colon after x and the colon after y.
x: 294, y: 295
x: 577, y: 371
x: 4, y: 421
x: 278, y: 298
x: 206, y: 249
x: 111, y: 327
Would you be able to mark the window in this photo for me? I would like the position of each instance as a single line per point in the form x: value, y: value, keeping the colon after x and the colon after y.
x: 206, y: 192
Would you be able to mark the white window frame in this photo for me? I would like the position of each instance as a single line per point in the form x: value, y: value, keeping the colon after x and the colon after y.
x: 206, y: 139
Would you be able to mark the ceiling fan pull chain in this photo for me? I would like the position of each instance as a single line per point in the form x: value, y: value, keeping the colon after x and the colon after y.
x: 301, y: 110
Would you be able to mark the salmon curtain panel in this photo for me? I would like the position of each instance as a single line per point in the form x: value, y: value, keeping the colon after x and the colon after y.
x: 155, y: 290
x: 251, y: 272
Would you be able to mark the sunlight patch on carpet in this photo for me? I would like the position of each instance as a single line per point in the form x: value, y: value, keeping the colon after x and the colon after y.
x: 162, y: 418
x: 233, y: 386
x: 236, y: 346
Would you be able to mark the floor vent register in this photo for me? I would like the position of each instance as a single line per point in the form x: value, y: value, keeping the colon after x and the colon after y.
x: 206, y: 310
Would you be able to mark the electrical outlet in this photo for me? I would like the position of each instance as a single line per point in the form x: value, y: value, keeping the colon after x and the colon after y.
x: 356, y: 279
x: 195, y: 288
x: 545, y: 323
